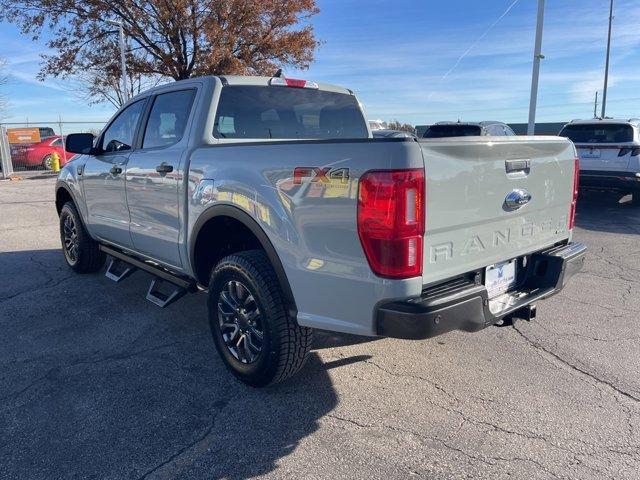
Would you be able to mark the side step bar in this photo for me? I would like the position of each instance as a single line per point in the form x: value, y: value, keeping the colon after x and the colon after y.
x: 123, y: 265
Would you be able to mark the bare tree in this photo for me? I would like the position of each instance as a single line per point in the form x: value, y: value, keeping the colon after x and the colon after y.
x: 168, y: 38
x: 405, y: 127
x: 98, y: 87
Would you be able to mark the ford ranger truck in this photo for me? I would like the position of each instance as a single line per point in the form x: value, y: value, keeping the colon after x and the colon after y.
x: 271, y: 195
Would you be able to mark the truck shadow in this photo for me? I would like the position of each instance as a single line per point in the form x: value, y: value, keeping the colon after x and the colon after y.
x: 97, y: 382
x: 607, y: 212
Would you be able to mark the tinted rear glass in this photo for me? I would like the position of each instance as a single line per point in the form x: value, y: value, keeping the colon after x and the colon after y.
x: 600, y: 133
x: 285, y: 112
x: 442, y: 131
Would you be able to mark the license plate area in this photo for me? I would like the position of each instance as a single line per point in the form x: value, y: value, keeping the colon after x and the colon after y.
x: 500, y: 277
x: 590, y: 153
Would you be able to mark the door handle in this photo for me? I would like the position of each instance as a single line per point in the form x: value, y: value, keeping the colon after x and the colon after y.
x: 518, y: 165
x: 164, y: 168
x: 116, y: 170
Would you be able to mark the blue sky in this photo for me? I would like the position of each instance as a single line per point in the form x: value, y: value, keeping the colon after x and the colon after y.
x: 395, y: 56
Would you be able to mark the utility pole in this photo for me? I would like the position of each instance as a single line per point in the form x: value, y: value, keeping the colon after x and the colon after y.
x: 123, y: 63
x: 595, y: 107
x: 606, y: 68
x: 537, y: 56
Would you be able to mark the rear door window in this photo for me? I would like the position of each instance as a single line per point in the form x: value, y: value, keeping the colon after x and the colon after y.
x: 444, y: 131
x: 598, y: 133
x: 256, y: 112
x: 168, y: 118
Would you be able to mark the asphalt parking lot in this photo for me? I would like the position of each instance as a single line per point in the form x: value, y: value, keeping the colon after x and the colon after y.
x: 96, y: 382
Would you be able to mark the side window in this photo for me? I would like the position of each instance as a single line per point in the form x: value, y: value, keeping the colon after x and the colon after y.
x: 508, y: 131
x: 494, y: 130
x: 168, y: 118
x: 119, y: 135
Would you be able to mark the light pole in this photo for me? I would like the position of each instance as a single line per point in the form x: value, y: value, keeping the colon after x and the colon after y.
x: 606, y: 68
x: 123, y: 63
x: 537, y: 56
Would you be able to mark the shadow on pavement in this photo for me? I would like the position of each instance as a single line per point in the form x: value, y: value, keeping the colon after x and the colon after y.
x: 607, y: 212
x: 97, y: 382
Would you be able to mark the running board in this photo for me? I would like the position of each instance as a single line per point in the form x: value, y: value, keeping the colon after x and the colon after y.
x: 118, y: 270
x: 165, y: 287
x: 163, y: 296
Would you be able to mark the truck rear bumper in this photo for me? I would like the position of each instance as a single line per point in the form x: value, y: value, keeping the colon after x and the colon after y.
x: 609, y: 180
x: 463, y: 304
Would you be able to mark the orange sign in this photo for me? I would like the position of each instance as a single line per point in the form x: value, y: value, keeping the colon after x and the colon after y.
x: 23, y: 135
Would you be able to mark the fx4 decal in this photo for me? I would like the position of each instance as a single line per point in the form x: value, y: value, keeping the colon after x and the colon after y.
x: 320, y: 174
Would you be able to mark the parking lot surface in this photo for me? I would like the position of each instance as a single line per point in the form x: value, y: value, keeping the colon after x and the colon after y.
x: 96, y: 382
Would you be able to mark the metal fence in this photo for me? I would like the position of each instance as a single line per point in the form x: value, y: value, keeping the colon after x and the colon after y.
x: 30, y: 146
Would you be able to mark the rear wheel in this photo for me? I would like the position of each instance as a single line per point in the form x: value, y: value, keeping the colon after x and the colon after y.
x: 251, y: 328
x: 81, y: 252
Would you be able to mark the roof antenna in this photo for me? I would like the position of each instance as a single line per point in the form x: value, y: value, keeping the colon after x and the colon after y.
x: 279, y: 73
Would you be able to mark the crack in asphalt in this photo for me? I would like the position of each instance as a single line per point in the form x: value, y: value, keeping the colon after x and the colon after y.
x: 200, y: 445
x: 490, y: 460
x: 44, y: 269
x: 108, y: 358
x: 540, y: 347
x: 498, y: 428
x: 586, y: 337
x: 39, y: 288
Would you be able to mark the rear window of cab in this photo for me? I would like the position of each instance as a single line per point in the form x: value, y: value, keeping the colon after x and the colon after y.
x: 274, y: 112
x: 598, y: 133
x: 446, y: 131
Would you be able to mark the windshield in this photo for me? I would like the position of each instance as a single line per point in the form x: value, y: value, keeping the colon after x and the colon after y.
x: 283, y: 112
x: 598, y: 133
x: 443, y: 131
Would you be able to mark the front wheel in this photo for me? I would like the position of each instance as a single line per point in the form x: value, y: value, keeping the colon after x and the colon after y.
x: 251, y: 328
x: 47, y: 163
x: 81, y: 252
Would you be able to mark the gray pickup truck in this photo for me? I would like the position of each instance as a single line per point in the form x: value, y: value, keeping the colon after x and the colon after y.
x: 271, y: 195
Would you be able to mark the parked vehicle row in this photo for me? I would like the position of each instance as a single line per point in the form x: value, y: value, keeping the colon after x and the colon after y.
x: 272, y: 194
x: 609, y: 151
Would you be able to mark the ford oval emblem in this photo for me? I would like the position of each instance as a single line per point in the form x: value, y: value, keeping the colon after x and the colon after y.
x: 516, y: 199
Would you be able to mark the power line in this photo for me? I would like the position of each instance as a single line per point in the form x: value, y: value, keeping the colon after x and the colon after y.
x: 475, y: 43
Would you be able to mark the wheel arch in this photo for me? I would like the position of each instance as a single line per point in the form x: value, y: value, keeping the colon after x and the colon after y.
x: 218, y: 212
x: 63, y: 195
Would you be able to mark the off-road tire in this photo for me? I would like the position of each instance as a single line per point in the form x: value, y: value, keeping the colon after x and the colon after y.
x: 285, y: 344
x: 89, y: 256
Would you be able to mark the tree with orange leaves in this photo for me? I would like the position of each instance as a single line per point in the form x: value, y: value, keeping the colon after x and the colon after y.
x: 177, y: 39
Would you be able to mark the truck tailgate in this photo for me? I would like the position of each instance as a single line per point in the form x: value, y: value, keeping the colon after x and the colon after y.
x: 468, y: 222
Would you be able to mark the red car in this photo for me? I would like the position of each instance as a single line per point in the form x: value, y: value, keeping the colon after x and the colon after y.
x: 39, y: 154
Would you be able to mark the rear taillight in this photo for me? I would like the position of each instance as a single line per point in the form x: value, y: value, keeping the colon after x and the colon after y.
x: 391, y: 221
x: 574, y: 200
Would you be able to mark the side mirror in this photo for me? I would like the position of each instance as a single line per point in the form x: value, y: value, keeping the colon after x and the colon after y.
x: 79, y: 143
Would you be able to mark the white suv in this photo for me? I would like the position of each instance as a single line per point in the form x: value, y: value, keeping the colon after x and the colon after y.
x: 609, y: 151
